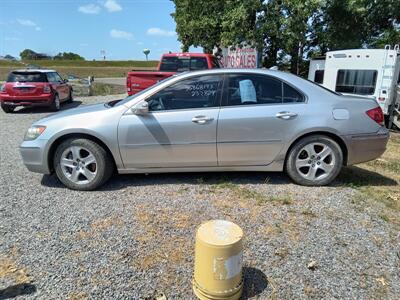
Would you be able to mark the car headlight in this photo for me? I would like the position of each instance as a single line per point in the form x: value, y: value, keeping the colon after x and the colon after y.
x: 34, y: 132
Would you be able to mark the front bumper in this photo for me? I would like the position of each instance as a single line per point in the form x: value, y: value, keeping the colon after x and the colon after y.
x: 34, y: 156
x: 366, y: 147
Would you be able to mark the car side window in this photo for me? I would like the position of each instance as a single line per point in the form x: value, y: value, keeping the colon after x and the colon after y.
x: 50, y: 77
x: 245, y: 89
x: 290, y: 95
x: 57, y: 77
x: 53, y: 77
x: 196, y: 92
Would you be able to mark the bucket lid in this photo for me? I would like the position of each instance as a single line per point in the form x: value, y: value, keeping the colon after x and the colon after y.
x: 219, y: 233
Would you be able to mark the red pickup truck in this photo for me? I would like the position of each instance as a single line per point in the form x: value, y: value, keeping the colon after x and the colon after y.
x: 169, y: 65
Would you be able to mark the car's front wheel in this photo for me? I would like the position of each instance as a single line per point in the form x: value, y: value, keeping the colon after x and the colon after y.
x: 70, y: 97
x: 82, y: 164
x: 55, y: 105
x: 314, y: 161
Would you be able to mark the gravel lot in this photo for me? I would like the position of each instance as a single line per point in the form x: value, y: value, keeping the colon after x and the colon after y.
x: 134, y: 238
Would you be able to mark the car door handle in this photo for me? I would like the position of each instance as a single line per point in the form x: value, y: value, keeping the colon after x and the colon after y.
x: 202, y: 120
x: 286, y: 115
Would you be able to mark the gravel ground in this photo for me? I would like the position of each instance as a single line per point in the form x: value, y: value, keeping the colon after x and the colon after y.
x: 134, y: 238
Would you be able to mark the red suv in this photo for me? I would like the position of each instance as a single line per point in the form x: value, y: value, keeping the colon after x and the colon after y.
x: 34, y: 88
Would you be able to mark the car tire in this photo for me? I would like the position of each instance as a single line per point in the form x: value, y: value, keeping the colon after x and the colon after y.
x: 55, y: 104
x: 7, y: 108
x: 70, y: 98
x: 75, y: 167
x: 314, y: 161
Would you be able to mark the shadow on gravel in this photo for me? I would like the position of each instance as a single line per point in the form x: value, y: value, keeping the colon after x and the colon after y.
x: 17, y: 290
x: 41, y: 110
x: 349, y: 176
x: 255, y: 282
x: 356, y: 176
x: 118, y: 182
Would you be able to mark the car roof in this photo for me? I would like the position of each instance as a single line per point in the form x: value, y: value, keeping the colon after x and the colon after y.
x: 275, y: 73
x: 33, y: 70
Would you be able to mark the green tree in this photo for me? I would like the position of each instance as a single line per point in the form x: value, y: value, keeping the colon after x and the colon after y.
x: 68, y: 56
x: 288, y: 32
x: 211, y: 23
x: 28, y: 54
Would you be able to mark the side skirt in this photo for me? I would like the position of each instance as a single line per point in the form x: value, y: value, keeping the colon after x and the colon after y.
x: 273, y: 167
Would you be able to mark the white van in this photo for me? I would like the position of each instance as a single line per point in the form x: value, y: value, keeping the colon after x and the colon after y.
x: 367, y: 72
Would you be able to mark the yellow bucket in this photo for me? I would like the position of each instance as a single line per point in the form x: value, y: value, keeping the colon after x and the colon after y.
x: 218, y: 261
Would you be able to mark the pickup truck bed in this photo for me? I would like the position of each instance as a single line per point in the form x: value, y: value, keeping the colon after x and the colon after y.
x: 170, y: 64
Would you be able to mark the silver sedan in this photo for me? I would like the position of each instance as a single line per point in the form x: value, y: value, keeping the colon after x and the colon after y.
x: 215, y: 120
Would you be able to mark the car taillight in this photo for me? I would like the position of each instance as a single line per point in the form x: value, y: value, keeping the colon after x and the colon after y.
x: 376, y: 114
x: 46, y: 89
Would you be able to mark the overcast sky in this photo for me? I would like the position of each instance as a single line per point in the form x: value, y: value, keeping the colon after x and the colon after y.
x: 122, y: 28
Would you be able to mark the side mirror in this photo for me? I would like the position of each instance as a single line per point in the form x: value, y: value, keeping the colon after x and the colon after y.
x: 141, y: 108
x: 66, y: 80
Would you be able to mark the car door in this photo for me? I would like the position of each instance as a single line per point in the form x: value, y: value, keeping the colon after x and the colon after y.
x: 259, y: 114
x: 62, y: 87
x: 179, y: 129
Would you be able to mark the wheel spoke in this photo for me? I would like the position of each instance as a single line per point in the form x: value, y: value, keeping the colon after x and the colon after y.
x: 310, y: 150
x: 327, y: 168
x: 88, y: 174
x: 67, y: 163
x: 311, y: 173
x: 302, y: 163
x: 325, y: 152
x: 76, y: 152
x: 75, y: 175
x: 90, y: 159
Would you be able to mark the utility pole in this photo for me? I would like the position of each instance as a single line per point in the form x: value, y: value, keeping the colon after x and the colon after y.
x: 103, y: 54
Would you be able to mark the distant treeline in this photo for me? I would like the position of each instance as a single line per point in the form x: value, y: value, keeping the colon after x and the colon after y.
x: 29, y: 54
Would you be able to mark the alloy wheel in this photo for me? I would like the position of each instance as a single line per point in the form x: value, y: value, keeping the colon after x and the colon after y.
x: 78, y: 164
x: 315, y: 161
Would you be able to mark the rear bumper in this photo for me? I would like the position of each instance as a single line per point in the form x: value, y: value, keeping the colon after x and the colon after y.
x: 34, y: 156
x: 366, y: 147
x: 41, y: 100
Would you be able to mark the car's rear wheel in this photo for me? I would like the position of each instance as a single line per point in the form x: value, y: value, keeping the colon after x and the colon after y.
x: 82, y: 164
x: 7, y: 108
x: 314, y: 161
x: 55, y: 105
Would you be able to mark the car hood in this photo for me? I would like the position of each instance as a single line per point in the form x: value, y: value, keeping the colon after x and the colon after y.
x: 84, y: 109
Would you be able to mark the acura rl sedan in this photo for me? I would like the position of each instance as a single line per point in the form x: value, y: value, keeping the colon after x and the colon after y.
x: 214, y: 120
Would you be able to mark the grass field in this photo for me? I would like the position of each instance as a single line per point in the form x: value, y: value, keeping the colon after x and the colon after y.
x: 81, y: 68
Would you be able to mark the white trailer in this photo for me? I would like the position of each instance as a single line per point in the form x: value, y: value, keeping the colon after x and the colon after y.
x: 372, y: 73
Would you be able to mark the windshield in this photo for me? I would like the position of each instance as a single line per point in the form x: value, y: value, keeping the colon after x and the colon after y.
x: 129, y: 98
x: 27, y: 77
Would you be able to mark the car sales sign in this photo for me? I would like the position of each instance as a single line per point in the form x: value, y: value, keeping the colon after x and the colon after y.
x: 245, y: 57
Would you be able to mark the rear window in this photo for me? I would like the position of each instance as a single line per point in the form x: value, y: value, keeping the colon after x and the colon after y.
x: 27, y: 77
x: 181, y: 64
